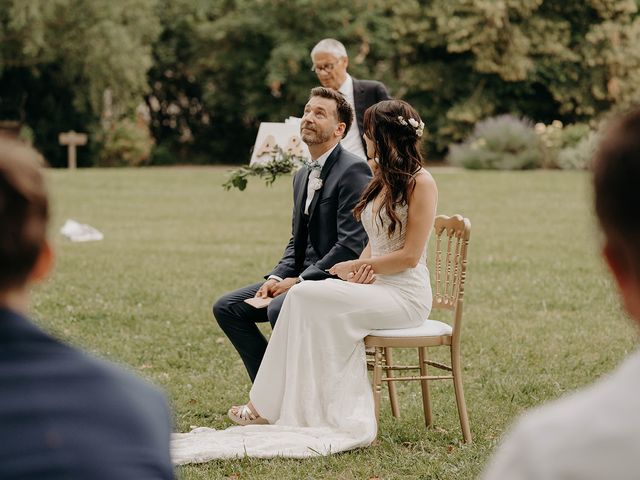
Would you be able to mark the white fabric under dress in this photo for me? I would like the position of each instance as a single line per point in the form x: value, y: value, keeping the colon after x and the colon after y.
x: 313, y: 385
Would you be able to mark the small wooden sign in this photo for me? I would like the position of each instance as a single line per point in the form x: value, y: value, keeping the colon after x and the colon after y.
x: 71, y: 139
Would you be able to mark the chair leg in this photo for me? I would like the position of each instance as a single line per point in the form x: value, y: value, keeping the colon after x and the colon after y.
x: 457, y: 385
x: 377, y: 380
x: 393, y: 394
x: 426, y: 398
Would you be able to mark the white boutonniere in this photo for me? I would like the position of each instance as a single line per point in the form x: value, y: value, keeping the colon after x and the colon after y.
x: 315, y: 183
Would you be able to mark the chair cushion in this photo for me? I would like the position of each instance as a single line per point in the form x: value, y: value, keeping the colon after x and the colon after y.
x: 429, y: 328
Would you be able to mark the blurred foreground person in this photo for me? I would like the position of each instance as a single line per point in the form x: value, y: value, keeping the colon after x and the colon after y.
x: 63, y: 414
x: 595, y: 433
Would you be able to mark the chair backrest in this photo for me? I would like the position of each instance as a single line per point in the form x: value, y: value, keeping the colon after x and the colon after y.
x: 452, y: 240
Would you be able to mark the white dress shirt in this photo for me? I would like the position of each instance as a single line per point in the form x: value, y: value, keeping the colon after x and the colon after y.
x: 592, y: 434
x: 353, y: 141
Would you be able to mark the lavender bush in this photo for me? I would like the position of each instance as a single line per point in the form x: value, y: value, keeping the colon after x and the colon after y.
x: 504, y: 142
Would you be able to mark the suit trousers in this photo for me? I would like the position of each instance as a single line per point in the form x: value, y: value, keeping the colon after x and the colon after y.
x: 238, y: 320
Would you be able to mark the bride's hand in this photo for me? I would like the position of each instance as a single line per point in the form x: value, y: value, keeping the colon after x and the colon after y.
x: 363, y: 275
x: 342, y: 269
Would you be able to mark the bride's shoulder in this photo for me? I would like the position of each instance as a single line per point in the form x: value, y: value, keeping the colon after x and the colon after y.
x: 425, y: 188
x: 424, y: 179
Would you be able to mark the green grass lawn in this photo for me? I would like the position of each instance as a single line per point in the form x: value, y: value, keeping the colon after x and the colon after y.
x: 541, y: 318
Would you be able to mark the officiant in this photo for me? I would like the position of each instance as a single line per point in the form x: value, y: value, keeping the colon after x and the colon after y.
x: 330, y: 63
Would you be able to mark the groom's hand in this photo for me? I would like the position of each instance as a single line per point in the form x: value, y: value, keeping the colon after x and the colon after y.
x: 284, y: 285
x: 266, y: 290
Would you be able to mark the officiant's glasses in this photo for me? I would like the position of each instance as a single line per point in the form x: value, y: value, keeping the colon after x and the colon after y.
x: 327, y: 67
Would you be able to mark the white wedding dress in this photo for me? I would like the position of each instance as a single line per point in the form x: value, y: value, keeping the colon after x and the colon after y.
x: 313, y: 385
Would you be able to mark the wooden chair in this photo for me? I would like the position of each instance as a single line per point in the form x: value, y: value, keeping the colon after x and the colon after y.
x: 452, y: 239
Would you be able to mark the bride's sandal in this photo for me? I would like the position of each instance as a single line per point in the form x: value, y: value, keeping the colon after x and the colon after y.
x: 243, y: 415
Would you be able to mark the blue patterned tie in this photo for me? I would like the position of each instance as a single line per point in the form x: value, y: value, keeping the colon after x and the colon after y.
x: 315, y: 165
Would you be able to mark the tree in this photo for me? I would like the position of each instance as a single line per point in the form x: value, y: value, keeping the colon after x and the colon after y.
x: 547, y: 60
x: 210, y: 72
x: 457, y: 61
x: 58, y: 57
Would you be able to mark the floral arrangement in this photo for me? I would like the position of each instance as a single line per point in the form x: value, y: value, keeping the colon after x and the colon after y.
x: 281, y: 163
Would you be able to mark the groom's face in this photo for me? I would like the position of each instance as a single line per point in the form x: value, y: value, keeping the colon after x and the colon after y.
x: 320, y: 121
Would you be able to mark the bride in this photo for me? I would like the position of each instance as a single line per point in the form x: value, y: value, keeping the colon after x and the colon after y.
x: 312, y: 394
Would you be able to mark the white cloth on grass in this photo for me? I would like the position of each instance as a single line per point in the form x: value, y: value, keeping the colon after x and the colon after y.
x: 80, y: 232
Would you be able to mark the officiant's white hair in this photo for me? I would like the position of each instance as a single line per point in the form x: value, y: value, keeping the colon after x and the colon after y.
x: 330, y: 45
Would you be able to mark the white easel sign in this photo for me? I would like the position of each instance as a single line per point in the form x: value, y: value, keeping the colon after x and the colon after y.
x: 284, y: 135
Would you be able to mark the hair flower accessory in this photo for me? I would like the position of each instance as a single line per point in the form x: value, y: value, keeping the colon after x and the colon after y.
x: 419, y: 126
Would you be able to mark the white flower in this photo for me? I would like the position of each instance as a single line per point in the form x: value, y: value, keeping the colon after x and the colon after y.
x: 557, y: 123
x: 414, y: 124
x: 315, y: 183
x: 540, y: 128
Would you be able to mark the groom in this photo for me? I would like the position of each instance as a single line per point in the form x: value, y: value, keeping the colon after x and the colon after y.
x: 324, y: 231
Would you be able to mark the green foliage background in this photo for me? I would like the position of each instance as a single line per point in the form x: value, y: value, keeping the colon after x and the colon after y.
x: 211, y: 71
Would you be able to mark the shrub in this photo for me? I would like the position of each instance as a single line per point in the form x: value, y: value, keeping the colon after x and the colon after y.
x: 556, y: 138
x: 578, y: 156
x: 127, y: 143
x: 162, y: 155
x: 499, y: 143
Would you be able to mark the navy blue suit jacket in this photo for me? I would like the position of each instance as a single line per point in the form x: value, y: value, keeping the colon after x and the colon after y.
x: 66, y: 415
x: 333, y: 231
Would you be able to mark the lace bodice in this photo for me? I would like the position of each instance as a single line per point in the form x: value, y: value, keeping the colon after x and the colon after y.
x: 413, y: 283
x: 378, y: 233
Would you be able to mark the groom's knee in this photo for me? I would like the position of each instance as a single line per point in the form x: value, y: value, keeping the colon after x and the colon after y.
x: 221, y: 310
x: 273, y: 310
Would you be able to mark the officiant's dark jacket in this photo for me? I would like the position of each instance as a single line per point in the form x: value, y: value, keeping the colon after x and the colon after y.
x: 330, y: 233
x: 67, y: 415
x: 365, y: 94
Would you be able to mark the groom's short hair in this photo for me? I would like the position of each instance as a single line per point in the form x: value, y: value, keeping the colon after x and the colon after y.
x: 343, y: 109
x: 617, y: 185
x: 24, y: 212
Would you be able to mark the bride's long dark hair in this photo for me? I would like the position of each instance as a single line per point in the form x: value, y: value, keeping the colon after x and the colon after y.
x: 396, y: 140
